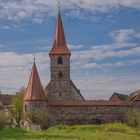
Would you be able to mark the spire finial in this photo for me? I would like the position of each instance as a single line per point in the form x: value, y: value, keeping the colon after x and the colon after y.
x: 59, y: 5
x: 34, y: 58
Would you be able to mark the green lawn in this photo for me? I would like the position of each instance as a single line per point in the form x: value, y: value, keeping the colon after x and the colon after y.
x: 116, y: 131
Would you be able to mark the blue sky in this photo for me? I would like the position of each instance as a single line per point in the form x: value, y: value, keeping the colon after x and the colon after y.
x: 103, y: 36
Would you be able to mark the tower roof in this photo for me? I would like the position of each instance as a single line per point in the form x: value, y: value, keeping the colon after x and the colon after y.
x: 59, y: 45
x: 34, y: 90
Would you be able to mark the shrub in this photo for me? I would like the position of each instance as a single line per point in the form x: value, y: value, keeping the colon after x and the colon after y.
x: 37, y: 117
x: 3, y: 120
x: 117, y: 127
x: 133, y: 118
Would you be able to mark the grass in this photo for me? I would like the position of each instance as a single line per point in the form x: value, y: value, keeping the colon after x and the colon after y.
x: 115, y: 131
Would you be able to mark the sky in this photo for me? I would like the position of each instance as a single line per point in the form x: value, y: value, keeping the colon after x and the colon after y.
x: 103, y: 36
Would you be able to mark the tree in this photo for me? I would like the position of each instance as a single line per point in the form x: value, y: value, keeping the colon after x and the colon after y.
x: 38, y: 117
x: 17, y: 106
x: 3, y: 119
x: 132, y: 118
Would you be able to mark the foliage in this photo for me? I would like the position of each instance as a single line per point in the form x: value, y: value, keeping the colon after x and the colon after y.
x: 76, y: 132
x: 17, y: 106
x: 3, y: 119
x: 37, y: 116
x: 132, y: 118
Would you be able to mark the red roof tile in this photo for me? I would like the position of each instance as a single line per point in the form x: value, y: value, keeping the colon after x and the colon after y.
x: 118, y: 97
x: 34, y: 90
x: 87, y: 103
x: 59, y: 45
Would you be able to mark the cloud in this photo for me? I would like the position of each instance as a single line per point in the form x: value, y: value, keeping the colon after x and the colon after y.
x: 95, y: 65
x: 122, y: 46
x: 38, y: 20
x: 102, y: 86
x: 123, y: 37
x: 19, y: 10
x: 15, y: 70
x: 88, y: 67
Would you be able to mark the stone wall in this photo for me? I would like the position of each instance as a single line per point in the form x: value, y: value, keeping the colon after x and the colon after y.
x: 29, y: 105
x: 85, y: 114
x: 136, y: 104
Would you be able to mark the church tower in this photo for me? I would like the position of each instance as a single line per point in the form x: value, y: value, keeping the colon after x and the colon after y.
x: 34, y: 96
x: 61, y: 87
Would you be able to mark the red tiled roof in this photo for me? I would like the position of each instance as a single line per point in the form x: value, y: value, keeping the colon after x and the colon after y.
x: 34, y: 90
x: 59, y: 46
x: 87, y: 103
x: 118, y: 97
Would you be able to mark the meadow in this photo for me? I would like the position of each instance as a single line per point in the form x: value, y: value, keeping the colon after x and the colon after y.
x: 115, y: 131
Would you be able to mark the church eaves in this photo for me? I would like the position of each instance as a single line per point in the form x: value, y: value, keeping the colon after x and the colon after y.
x: 34, y: 90
x: 59, y: 45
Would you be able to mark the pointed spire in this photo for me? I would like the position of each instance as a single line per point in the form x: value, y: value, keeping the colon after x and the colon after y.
x: 34, y: 90
x: 59, y: 45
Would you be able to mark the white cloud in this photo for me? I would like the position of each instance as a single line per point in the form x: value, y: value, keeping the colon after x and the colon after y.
x: 122, y: 46
x: 123, y: 37
x: 17, y: 10
x: 38, y: 20
x: 15, y: 68
x: 102, y: 86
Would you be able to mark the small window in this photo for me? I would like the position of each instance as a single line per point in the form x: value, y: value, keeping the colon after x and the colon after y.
x: 60, y: 94
x: 60, y: 74
x: 60, y: 60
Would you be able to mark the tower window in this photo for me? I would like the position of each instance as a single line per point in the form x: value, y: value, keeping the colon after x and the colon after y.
x: 60, y: 94
x: 60, y: 60
x: 60, y: 74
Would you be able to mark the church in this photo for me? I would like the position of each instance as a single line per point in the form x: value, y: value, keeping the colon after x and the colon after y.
x: 63, y: 100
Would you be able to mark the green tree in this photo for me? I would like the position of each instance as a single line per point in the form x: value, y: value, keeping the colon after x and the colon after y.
x: 3, y: 119
x: 132, y: 118
x: 38, y: 117
x: 17, y: 106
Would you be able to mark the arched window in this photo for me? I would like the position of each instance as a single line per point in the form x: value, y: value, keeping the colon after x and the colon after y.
x: 60, y: 60
x: 60, y: 74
